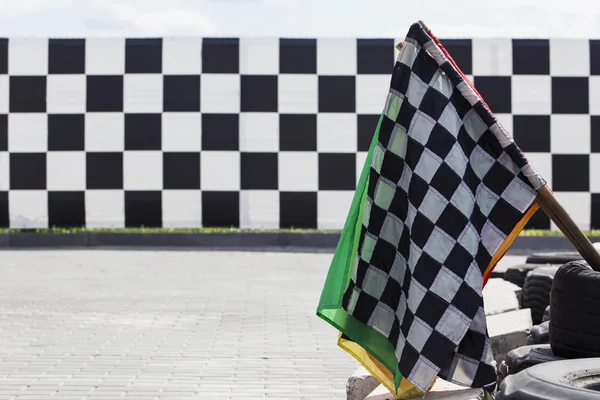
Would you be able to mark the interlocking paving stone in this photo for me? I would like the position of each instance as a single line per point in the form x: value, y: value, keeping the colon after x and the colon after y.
x: 99, y: 324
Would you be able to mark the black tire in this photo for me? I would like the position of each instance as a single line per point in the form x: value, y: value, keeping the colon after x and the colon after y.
x: 536, y: 291
x: 556, y: 380
x: 554, y: 258
x: 527, y: 356
x: 539, y: 334
x: 517, y: 273
x: 575, y: 306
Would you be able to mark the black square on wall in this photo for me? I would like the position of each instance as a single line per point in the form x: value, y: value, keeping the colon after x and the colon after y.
x: 367, y: 124
x: 571, y: 172
x: 28, y: 171
x: 181, y: 93
x: 143, y: 132
x: 104, y: 93
x: 220, y: 132
x: 497, y: 92
x: 3, y: 132
x: 104, y: 170
x: 259, y: 171
x: 143, y: 56
x: 595, y: 57
x: 532, y: 132
x: 337, y: 171
x: 220, y: 56
x: 221, y: 209
x: 66, y: 56
x: 181, y: 170
x: 531, y: 56
x: 27, y: 94
x: 539, y: 220
x: 298, y: 56
x: 4, y: 214
x: 298, y: 132
x: 259, y: 93
x: 461, y: 50
x: 570, y: 95
x: 298, y: 210
x: 66, y: 132
x: 3, y: 56
x: 143, y: 208
x: 66, y: 209
x: 595, y: 217
x: 375, y: 56
x: 337, y: 94
x: 595, y: 133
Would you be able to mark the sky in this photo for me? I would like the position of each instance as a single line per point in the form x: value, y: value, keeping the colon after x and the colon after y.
x: 299, y: 18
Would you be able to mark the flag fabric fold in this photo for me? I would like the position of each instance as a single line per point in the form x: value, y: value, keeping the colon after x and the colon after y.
x: 443, y: 193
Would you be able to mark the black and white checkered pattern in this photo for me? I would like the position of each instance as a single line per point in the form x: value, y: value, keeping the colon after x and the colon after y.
x: 447, y: 186
x: 257, y: 133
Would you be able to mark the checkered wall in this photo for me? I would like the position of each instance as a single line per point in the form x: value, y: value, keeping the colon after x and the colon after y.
x: 256, y: 133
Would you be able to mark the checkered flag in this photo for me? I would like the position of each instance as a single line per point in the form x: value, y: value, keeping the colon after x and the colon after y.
x: 446, y: 192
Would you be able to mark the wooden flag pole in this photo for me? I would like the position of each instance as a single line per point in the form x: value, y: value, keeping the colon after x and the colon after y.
x: 567, y: 226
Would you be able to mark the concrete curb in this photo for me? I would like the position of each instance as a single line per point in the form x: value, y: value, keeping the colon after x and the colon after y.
x: 523, y: 245
x: 186, y: 240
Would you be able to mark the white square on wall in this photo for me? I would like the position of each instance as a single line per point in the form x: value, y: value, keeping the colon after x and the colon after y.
x: 182, y: 56
x: 578, y: 205
x: 27, y: 133
x: 336, y: 133
x: 220, y: 93
x: 361, y: 157
x: 28, y: 209
x: 28, y: 56
x: 298, y: 171
x: 594, y: 87
x: 336, y: 56
x: 181, y: 131
x: 532, y: 94
x: 259, y: 56
x: 104, y: 131
x: 142, y: 170
x: 182, y: 208
x: 104, y: 208
x: 506, y: 120
x: 371, y: 92
x: 259, y: 132
x: 570, y: 134
x: 143, y: 93
x: 220, y: 170
x: 104, y: 56
x: 569, y: 57
x: 298, y: 93
x: 66, y: 94
x: 542, y: 162
x: 492, y: 57
x: 4, y: 94
x: 332, y: 208
x: 594, y: 169
x: 259, y: 209
x: 66, y: 170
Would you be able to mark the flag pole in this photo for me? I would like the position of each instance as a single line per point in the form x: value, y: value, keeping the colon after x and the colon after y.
x: 568, y: 227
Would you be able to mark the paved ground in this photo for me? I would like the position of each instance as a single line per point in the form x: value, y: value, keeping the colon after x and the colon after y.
x: 166, y: 325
